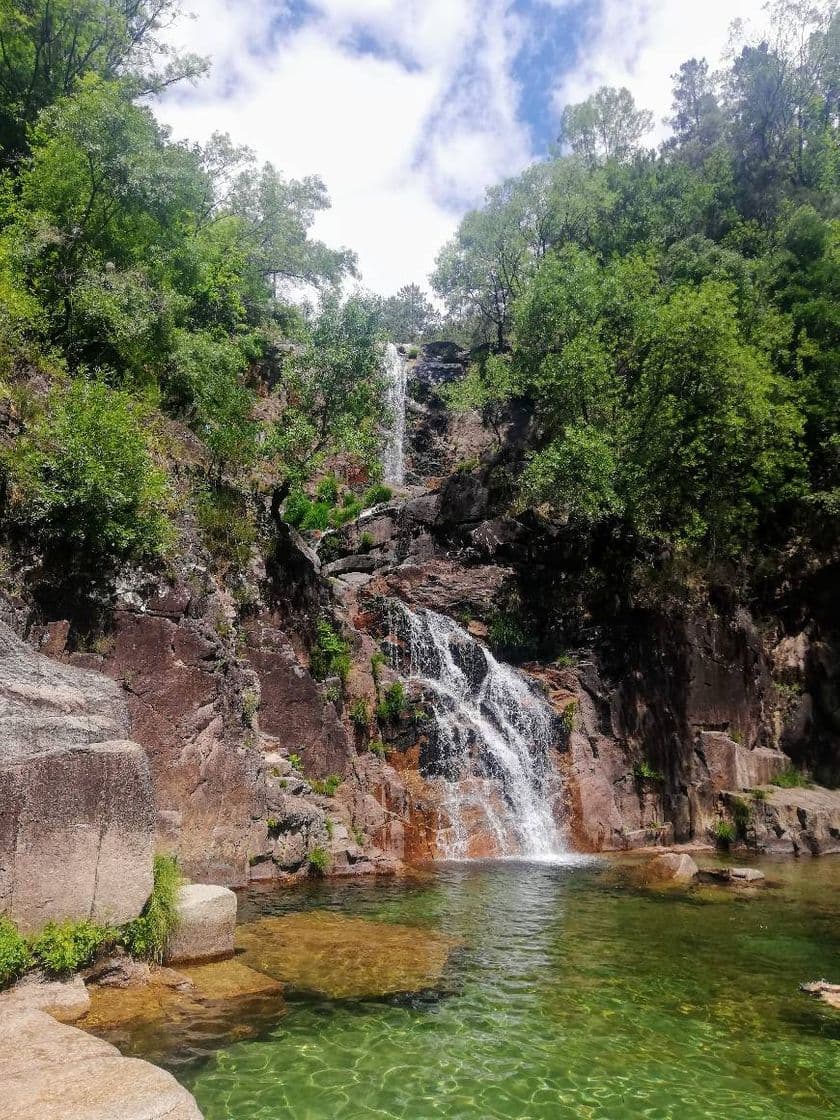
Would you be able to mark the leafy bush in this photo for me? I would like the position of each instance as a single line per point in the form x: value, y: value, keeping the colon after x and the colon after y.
x: 15, y: 956
x: 330, y: 655
x: 378, y: 748
x: 506, y: 633
x: 84, y: 481
x: 296, y: 762
x: 723, y: 833
x: 319, y: 861
x: 66, y: 947
x: 377, y: 660
x: 377, y: 494
x: 147, y: 936
x: 791, y: 778
x: 347, y: 512
x: 327, y: 787
x: 393, y: 703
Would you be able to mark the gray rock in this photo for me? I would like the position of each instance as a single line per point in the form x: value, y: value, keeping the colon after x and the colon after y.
x: 53, y: 1072
x: 746, y: 875
x: 206, y: 924
x: 674, y: 867
x: 77, y: 826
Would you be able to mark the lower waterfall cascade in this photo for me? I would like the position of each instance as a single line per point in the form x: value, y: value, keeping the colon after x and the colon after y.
x: 490, y: 719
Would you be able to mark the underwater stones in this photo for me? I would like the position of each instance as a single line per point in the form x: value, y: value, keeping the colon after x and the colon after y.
x: 671, y: 867
x: 64, y: 1000
x: 50, y: 1071
x: 206, y: 924
x: 344, y: 958
x: 196, y: 991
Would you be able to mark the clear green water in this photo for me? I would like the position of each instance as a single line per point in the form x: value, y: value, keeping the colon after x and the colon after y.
x: 575, y: 994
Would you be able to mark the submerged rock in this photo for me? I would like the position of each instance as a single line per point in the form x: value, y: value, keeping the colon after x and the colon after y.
x: 187, y: 995
x: 54, y: 1072
x: 345, y: 958
x: 206, y: 924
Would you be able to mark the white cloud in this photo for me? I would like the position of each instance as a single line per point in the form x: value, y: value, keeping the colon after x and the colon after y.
x: 641, y: 43
x: 402, y: 152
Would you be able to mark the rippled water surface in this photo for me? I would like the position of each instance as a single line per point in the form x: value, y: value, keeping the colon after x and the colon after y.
x: 572, y: 994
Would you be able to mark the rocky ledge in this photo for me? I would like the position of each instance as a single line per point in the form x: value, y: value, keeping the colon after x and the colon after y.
x: 50, y: 1071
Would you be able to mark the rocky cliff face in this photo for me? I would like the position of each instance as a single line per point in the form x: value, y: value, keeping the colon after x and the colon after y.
x: 667, y: 715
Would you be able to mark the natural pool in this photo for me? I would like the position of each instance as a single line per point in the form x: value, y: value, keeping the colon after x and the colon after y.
x: 572, y: 993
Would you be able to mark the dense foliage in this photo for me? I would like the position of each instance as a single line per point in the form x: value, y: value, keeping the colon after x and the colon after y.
x: 144, y: 281
x: 672, y: 316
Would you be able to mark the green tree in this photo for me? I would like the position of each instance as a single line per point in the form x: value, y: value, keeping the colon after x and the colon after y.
x: 605, y: 126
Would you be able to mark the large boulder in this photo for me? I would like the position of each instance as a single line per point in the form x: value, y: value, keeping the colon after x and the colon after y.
x: 77, y: 819
x: 53, y: 1072
x: 206, y: 924
x: 671, y: 867
x: 65, y: 1000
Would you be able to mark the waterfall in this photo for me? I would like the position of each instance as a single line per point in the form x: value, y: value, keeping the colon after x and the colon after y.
x: 494, y: 732
x: 393, y: 459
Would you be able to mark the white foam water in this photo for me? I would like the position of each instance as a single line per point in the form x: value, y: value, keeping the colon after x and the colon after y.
x: 494, y: 734
x: 393, y: 458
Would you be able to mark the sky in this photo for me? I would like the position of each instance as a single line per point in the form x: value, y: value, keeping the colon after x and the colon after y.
x: 410, y: 109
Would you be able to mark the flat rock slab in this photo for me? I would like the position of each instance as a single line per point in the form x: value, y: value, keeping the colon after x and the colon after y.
x: 206, y: 924
x: 65, y: 1000
x: 50, y: 1071
x: 828, y: 993
x: 345, y: 958
x: 737, y: 876
x: 191, y: 994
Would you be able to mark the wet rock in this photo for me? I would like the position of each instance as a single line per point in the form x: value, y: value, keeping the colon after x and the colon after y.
x: 66, y: 1000
x: 50, y: 1071
x: 77, y: 820
x: 671, y: 867
x: 119, y: 972
x: 345, y: 958
x: 206, y: 924
x: 828, y: 993
x: 746, y: 875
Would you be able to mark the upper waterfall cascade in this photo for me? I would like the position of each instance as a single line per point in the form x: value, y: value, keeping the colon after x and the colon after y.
x: 495, y: 733
x: 393, y: 459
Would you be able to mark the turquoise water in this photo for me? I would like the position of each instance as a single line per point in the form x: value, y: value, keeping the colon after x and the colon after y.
x: 573, y: 994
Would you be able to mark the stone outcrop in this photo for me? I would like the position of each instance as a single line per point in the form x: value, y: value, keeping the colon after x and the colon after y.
x: 797, y: 822
x: 206, y: 924
x: 54, y: 1072
x: 76, y: 798
x: 66, y: 1000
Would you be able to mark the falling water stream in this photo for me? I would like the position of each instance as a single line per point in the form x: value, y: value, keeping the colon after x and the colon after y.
x: 393, y: 459
x: 494, y: 735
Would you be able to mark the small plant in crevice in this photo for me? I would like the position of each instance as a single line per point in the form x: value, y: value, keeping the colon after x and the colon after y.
x: 723, y: 834
x: 759, y: 794
x: 377, y: 661
x: 250, y: 706
x: 359, y: 837
x: 378, y: 748
x: 327, y: 787
x: 393, y: 703
x: 791, y: 778
x: 329, y: 825
x: 318, y: 861
x: 330, y: 654
x: 567, y: 719
x: 296, y: 762
x: 644, y: 772
x: 376, y: 495
x: 360, y: 713
x: 366, y: 542
x: 741, y: 816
